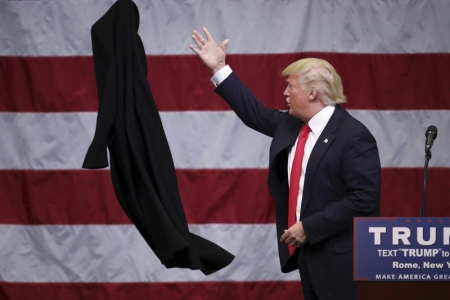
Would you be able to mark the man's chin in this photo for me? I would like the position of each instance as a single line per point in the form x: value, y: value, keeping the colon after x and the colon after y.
x: 292, y: 113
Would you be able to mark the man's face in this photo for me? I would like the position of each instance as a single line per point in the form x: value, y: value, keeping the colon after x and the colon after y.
x: 297, y: 99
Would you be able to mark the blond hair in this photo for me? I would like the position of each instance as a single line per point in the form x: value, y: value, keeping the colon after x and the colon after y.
x: 320, y: 74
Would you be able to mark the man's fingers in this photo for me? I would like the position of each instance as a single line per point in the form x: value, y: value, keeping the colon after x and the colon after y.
x: 289, y: 240
x: 292, y: 239
x: 284, y: 236
x: 194, y: 49
x: 224, y: 44
x: 197, y: 41
x: 199, y: 36
x: 208, y: 35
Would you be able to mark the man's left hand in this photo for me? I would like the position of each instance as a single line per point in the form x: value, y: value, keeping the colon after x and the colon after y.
x: 295, y: 235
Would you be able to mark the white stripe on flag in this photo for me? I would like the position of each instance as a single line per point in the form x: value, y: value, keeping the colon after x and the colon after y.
x: 208, y: 140
x: 118, y: 253
x: 62, y: 28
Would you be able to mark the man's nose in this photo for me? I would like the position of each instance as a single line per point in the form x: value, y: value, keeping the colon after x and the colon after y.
x: 286, y: 92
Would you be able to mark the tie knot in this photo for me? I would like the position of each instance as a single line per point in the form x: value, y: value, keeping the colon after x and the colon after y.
x: 306, y: 128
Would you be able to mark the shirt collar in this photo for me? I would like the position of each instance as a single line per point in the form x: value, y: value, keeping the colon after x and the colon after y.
x: 320, y: 120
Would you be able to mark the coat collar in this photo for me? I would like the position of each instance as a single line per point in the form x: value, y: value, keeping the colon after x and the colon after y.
x: 290, y: 130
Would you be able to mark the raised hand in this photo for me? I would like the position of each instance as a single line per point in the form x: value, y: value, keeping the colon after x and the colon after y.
x: 212, y: 55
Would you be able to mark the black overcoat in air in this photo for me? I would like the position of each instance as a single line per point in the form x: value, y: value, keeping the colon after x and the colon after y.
x: 142, y: 169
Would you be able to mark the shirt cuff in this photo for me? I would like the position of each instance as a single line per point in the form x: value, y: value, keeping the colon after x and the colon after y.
x: 221, y: 75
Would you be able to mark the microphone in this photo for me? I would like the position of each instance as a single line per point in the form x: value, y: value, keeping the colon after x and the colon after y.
x: 430, y: 135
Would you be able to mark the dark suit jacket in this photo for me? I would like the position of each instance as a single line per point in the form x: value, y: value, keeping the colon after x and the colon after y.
x: 342, y: 180
x: 142, y: 169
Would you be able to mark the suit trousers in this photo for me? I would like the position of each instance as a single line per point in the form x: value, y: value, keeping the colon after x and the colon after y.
x: 321, y: 284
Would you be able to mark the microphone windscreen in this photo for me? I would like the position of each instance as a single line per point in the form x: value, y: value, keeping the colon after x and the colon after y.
x: 433, y: 130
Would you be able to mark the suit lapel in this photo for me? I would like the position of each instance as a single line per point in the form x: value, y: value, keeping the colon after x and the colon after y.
x: 324, y: 141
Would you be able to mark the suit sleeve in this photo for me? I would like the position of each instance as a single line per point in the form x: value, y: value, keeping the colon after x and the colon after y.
x: 362, y: 179
x: 249, y: 109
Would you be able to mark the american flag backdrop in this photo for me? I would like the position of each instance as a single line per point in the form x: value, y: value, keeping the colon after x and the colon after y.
x: 62, y: 232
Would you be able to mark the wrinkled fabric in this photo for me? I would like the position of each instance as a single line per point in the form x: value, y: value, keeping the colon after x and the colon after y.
x: 142, y: 169
x: 252, y: 26
x: 83, y: 254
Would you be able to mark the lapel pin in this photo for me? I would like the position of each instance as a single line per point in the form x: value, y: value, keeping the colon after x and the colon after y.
x: 325, y: 141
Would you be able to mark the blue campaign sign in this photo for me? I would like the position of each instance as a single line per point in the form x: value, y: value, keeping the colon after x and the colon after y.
x: 402, y: 249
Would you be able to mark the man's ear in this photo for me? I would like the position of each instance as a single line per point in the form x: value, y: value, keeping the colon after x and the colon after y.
x: 313, y: 93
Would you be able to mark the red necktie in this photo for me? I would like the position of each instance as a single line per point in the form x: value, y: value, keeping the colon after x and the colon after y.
x: 295, y: 178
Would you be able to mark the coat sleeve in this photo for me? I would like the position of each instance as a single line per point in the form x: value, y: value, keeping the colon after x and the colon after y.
x: 362, y: 179
x: 249, y: 109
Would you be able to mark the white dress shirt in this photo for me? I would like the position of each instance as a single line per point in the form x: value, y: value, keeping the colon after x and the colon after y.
x: 317, y: 124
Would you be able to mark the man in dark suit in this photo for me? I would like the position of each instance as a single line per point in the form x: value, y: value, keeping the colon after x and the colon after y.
x: 324, y: 168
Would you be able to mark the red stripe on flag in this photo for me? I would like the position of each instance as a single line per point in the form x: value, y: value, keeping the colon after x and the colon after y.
x: 401, y: 192
x: 87, y: 197
x: 209, y: 196
x: 181, y: 82
x: 180, y: 290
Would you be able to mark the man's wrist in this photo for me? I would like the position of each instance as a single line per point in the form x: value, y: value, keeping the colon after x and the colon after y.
x: 218, y: 68
x: 221, y: 75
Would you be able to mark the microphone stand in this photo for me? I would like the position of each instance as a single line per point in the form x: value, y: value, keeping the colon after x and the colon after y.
x: 425, y: 182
